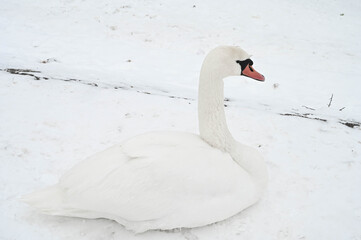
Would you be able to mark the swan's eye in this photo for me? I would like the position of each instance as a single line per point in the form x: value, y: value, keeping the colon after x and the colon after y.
x: 244, y: 63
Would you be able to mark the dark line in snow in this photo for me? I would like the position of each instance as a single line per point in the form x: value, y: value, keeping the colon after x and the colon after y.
x: 37, y: 76
x: 348, y: 123
x: 305, y: 115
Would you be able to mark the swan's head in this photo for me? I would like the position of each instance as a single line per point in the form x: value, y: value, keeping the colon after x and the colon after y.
x: 231, y: 61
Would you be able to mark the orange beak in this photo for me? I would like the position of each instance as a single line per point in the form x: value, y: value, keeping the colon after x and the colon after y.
x: 249, y: 71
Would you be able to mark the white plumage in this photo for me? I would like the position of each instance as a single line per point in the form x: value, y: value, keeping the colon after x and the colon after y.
x: 166, y: 180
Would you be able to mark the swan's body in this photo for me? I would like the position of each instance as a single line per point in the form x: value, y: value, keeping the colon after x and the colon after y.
x: 166, y: 180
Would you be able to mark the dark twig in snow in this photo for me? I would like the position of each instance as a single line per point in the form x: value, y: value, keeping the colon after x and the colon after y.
x: 329, y: 104
x: 350, y: 124
x: 308, y: 108
x: 305, y: 115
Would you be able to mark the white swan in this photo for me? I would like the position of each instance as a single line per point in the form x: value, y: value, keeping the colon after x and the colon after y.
x: 166, y: 180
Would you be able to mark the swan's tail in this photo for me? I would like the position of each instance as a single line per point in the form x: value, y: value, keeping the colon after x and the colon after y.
x: 52, y: 201
x: 48, y: 200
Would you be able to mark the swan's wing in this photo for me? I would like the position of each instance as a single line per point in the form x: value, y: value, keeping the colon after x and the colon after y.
x: 151, y: 176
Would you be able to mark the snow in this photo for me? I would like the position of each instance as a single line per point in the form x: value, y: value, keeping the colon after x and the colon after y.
x: 307, y: 51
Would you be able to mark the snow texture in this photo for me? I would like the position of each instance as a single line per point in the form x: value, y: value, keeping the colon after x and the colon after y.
x: 79, y: 76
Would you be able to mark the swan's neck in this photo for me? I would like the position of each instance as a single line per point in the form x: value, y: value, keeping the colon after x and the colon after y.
x: 213, y: 127
x: 212, y: 120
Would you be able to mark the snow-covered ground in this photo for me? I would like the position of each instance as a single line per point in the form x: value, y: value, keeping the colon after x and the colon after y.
x: 134, y: 67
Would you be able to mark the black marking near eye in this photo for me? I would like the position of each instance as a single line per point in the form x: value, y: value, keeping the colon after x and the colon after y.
x: 244, y: 63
